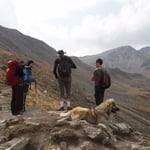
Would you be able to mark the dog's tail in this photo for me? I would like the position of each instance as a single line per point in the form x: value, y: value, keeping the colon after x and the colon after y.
x: 65, y: 114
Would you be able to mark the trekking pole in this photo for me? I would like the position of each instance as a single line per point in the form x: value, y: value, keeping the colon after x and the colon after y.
x: 35, y: 87
x: 36, y: 93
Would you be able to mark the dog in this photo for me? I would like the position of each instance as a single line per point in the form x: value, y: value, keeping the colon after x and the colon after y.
x: 93, y: 115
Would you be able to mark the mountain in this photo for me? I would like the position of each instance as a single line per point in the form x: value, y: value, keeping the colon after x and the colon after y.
x: 129, y: 90
x: 13, y: 40
x: 126, y: 58
x: 145, y: 51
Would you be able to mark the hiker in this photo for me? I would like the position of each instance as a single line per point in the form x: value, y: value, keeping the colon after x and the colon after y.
x: 14, y: 78
x: 28, y: 79
x: 97, y: 74
x: 62, y: 72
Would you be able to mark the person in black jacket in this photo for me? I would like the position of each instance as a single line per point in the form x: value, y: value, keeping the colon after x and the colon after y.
x: 62, y: 72
x: 99, y: 91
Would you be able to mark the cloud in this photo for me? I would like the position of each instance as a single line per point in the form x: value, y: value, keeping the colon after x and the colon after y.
x: 129, y: 27
x: 80, y: 27
x: 7, y: 14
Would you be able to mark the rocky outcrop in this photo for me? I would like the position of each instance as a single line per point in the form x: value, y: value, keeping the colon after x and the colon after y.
x: 41, y: 130
x: 47, y: 132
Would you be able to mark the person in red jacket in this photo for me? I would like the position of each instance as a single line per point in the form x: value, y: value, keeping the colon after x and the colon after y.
x: 14, y: 77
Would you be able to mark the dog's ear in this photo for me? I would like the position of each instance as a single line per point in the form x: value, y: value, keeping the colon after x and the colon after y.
x: 110, y: 109
x: 114, y: 108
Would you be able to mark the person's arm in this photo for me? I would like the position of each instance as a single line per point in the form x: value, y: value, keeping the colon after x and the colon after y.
x: 96, y: 77
x: 72, y: 64
x: 55, y: 68
x: 93, y: 78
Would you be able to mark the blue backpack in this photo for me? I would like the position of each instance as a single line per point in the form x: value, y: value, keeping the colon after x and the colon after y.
x: 28, y: 75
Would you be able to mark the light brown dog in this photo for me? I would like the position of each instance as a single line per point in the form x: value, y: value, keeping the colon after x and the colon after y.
x: 93, y: 115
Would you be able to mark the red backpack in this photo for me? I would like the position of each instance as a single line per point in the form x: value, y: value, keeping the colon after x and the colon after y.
x: 11, y: 76
x: 105, y: 81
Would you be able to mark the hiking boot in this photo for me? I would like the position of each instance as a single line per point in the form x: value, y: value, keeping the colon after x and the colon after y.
x: 61, y: 109
x: 69, y: 108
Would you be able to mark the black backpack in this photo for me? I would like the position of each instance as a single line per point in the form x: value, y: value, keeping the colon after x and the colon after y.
x: 105, y: 81
x: 64, y: 68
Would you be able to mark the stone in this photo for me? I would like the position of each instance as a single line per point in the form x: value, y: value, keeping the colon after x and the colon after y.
x: 15, y: 144
x: 98, y: 134
x: 121, y: 128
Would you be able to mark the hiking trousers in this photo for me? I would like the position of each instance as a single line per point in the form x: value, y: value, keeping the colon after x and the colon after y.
x: 17, y: 99
x: 99, y: 94
x: 25, y: 92
x: 65, y: 85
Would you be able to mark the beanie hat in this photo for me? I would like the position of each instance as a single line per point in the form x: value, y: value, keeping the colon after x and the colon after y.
x: 30, y: 62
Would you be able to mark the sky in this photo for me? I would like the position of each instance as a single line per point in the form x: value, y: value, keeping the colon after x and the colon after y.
x: 80, y: 27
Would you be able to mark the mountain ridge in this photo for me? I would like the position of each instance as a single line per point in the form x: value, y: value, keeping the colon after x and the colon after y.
x: 125, y: 58
x: 13, y: 40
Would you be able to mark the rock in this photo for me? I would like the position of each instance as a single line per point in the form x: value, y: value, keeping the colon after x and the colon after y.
x: 63, y: 145
x: 145, y: 148
x: 14, y: 121
x: 86, y: 146
x: 2, y: 139
x: 121, y: 128
x: 75, y: 124
x: 2, y: 125
x: 15, y: 144
x: 32, y: 123
x: 98, y: 134
x: 135, y: 147
x: 66, y: 135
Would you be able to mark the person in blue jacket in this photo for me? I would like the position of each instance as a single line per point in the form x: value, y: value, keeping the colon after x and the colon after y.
x: 28, y: 79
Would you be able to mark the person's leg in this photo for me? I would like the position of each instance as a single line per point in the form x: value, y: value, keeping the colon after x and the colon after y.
x: 68, y: 92
x: 14, y: 102
x: 13, y: 109
x: 61, y: 87
x: 101, y: 95
x: 20, y: 98
x: 25, y: 92
x: 97, y: 95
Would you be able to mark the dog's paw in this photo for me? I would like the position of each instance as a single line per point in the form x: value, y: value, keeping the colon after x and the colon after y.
x: 102, y: 125
x: 63, y: 114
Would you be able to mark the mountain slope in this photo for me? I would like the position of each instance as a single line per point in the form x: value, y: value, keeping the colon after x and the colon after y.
x: 14, y: 40
x: 145, y: 51
x: 126, y: 58
x: 129, y: 95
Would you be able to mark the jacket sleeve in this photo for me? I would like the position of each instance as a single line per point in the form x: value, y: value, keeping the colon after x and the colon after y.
x: 96, y: 76
x: 55, y: 68
x: 72, y: 64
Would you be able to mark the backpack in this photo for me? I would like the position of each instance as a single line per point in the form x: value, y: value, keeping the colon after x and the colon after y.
x: 28, y: 75
x: 64, y: 68
x: 11, y: 75
x: 105, y: 81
